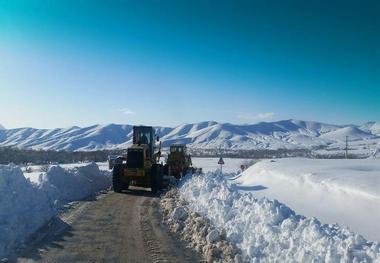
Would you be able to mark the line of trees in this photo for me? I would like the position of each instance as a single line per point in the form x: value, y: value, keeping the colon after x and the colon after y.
x: 26, y: 156
x: 251, y: 154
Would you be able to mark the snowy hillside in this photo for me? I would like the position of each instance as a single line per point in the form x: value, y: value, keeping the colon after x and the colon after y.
x: 373, y: 127
x: 72, y: 138
x: 376, y: 152
x: 289, y: 134
x: 353, y: 133
x: 1, y: 127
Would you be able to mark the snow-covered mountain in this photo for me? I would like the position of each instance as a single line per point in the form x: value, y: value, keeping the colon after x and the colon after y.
x: 376, y: 152
x: 1, y: 127
x: 372, y: 127
x: 289, y: 134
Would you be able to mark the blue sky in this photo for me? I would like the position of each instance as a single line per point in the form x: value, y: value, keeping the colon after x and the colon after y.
x: 66, y: 63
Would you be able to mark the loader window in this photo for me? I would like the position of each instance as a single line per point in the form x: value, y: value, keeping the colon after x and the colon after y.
x: 144, y: 138
x: 135, y: 159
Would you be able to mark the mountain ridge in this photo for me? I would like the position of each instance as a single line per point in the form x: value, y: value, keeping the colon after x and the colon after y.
x: 284, y: 134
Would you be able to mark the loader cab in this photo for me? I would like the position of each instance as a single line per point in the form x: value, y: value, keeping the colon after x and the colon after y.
x: 144, y: 135
x: 178, y: 148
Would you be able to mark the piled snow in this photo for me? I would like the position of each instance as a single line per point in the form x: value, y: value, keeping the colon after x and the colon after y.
x: 34, y: 172
x: 23, y: 207
x: 268, y: 231
x: 73, y: 184
x: 335, y: 191
x: 197, y: 230
x: 26, y: 206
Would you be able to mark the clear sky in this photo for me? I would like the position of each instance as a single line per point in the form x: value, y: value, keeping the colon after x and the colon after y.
x: 158, y: 62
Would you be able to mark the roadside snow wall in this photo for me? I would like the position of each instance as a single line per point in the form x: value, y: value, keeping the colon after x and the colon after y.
x: 25, y: 207
x: 268, y: 231
x: 65, y: 185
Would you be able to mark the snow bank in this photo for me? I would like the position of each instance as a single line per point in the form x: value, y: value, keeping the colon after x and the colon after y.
x: 65, y: 185
x: 26, y: 206
x: 197, y: 230
x: 268, y: 231
x: 346, y: 192
x: 23, y: 207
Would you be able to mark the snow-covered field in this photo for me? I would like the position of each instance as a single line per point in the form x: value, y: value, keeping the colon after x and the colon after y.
x: 26, y: 205
x: 232, y: 165
x: 287, y: 210
x: 335, y: 191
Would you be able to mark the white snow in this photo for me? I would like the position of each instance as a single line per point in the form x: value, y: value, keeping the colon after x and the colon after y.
x: 23, y: 208
x: 213, y: 236
x: 266, y: 230
x: 65, y: 185
x: 35, y: 170
x: 353, y: 133
x: 376, y: 152
x: 26, y: 206
x: 373, y: 127
x: 179, y: 213
x: 335, y: 191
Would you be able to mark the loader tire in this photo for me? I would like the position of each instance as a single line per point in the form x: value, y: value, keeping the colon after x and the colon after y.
x: 153, y: 181
x: 160, y: 177
x: 157, y: 178
x: 166, y: 169
x: 116, y: 178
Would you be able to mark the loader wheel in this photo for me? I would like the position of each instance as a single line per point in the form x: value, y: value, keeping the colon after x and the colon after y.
x: 157, y: 178
x: 153, y: 181
x: 166, y: 169
x: 116, y: 178
x: 160, y: 177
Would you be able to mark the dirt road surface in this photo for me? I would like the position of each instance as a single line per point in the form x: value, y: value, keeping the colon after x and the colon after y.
x: 115, y: 227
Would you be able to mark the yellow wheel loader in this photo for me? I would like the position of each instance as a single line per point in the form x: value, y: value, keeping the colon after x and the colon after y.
x: 140, y: 167
x: 178, y: 162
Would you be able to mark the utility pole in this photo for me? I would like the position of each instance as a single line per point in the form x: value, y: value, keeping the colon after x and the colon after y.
x: 346, y: 147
